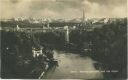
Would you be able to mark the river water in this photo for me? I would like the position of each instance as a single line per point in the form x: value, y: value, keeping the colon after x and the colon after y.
x: 73, y: 66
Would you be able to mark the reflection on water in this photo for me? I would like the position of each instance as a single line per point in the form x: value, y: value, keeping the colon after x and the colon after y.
x: 72, y: 66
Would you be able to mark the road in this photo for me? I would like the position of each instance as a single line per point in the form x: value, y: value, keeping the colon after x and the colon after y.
x: 73, y: 66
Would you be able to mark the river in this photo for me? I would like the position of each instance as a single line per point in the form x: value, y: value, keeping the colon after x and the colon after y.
x: 73, y: 66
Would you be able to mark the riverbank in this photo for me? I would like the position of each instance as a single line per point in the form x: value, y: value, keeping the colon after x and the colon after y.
x: 73, y: 66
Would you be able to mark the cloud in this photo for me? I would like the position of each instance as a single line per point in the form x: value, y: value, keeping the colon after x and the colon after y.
x: 109, y: 2
x: 10, y: 9
x: 62, y: 8
x: 96, y: 9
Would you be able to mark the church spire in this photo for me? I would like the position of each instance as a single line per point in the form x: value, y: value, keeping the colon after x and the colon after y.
x: 83, y: 15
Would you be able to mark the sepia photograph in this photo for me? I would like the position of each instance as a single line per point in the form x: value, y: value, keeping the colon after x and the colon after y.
x: 63, y: 39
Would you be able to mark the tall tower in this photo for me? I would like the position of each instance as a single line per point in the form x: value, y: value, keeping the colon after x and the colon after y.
x: 83, y: 18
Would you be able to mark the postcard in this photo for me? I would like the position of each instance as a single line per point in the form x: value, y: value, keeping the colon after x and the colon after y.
x: 63, y: 39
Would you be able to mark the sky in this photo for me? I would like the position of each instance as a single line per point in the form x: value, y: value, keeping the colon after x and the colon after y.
x: 63, y: 8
